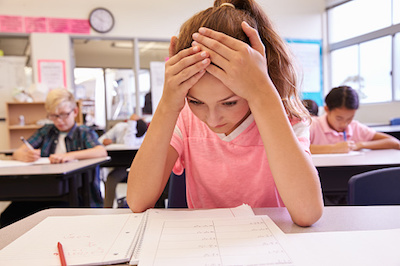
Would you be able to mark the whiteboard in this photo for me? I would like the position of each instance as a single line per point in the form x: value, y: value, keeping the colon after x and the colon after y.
x: 308, y: 54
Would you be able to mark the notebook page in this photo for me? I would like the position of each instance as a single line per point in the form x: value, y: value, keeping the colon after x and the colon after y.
x: 243, y: 210
x: 240, y: 241
x: 87, y: 240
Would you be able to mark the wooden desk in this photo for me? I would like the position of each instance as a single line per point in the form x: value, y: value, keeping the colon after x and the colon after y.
x: 49, y: 181
x: 121, y: 155
x: 335, y: 218
x: 336, y: 170
x: 388, y: 129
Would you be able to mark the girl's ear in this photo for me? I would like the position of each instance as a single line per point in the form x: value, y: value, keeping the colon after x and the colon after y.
x: 326, y: 109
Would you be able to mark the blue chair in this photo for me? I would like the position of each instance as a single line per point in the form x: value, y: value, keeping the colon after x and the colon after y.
x: 177, y: 191
x: 376, y: 187
x: 395, y: 121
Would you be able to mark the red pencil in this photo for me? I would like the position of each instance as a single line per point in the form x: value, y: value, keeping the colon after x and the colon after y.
x: 61, y: 254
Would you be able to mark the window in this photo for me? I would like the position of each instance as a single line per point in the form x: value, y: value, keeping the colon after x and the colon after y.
x: 396, y: 67
x: 364, y: 47
x: 358, y: 17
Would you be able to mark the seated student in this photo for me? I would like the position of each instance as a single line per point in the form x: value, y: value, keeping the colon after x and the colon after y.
x: 311, y: 106
x: 337, y: 132
x: 131, y: 134
x: 62, y: 142
x: 230, y: 116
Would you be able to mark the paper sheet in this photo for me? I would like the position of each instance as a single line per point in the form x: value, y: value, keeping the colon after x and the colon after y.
x: 242, y: 241
x: 15, y: 163
x: 86, y: 239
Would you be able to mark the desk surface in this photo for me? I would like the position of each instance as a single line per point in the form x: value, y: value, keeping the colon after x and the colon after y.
x: 363, y: 158
x: 387, y: 128
x: 343, y: 218
x: 51, y: 169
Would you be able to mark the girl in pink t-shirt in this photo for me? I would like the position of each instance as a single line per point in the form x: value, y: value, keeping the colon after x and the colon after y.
x: 231, y: 116
x: 337, y: 132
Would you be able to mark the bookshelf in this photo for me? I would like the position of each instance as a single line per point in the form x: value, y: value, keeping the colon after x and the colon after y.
x: 32, y: 112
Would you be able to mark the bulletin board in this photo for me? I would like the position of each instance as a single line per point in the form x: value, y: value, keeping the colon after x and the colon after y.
x: 309, y: 57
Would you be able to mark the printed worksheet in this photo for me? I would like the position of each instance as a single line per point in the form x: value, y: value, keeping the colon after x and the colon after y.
x: 212, y: 242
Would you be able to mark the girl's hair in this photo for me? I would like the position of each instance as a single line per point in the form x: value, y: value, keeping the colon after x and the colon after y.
x: 56, y: 97
x: 228, y: 19
x: 343, y: 96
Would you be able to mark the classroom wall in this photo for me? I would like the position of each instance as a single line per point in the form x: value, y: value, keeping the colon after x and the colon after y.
x: 157, y: 19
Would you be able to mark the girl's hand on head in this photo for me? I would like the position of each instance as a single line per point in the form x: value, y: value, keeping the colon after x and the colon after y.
x: 242, y: 68
x: 182, y: 71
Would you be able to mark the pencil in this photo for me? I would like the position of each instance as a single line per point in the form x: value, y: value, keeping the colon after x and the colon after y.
x: 61, y: 254
x: 26, y: 143
x: 344, y: 136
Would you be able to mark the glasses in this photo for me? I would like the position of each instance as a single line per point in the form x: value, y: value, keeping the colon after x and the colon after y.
x: 62, y: 116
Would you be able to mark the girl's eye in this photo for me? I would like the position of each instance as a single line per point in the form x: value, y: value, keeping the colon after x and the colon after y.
x: 194, y: 102
x: 230, y: 103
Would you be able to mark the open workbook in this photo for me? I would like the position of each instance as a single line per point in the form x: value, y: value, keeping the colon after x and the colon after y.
x: 123, y: 238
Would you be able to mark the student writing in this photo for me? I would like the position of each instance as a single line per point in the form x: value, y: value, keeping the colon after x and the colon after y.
x: 337, y: 132
x: 62, y: 141
x: 130, y: 133
x: 231, y: 117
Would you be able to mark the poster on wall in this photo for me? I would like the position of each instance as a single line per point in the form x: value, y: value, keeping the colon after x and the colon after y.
x: 308, y: 54
x: 51, y: 74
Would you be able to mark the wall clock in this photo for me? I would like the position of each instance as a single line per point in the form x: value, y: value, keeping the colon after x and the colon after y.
x: 101, y: 20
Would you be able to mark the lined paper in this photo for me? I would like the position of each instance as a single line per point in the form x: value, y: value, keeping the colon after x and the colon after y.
x: 241, y: 241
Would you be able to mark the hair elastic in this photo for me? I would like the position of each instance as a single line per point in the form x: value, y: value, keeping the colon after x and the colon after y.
x: 227, y: 4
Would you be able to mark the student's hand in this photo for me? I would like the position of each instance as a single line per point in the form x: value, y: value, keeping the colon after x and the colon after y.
x: 29, y: 155
x: 61, y: 158
x: 182, y: 71
x: 107, y: 142
x: 344, y: 147
x: 242, y: 68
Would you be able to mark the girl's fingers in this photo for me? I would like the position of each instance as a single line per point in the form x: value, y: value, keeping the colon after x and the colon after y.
x: 185, y: 58
x: 254, y: 38
x: 172, y: 46
x: 216, y: 58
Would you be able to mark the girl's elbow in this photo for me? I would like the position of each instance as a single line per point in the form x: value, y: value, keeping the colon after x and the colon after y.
x: 134, y: 204
x: 309, y: 217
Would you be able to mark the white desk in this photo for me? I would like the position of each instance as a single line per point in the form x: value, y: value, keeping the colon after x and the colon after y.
x: 388, y: 129
x: 335, y: 218
x: 336, y: 170
x: 48, y: 181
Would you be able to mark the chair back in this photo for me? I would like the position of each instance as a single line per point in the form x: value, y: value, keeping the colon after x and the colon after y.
x: 395, y: 121
x: 377, y: 187
x: 177, y: 191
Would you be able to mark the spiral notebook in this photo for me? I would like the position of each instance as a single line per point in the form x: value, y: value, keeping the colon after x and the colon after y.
x: 96, y: 239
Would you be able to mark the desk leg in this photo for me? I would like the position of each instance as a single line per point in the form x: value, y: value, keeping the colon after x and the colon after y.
x: 73, y: 191
x: 86, y: 178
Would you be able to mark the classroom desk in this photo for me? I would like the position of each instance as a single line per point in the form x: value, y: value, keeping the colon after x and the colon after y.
x: 49, y: 181
x: 335, y: 170
x: 393, y: 130
x: 335, y: 218
x: 121, y: 155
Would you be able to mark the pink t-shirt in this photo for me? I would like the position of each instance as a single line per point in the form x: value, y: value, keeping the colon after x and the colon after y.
x: 226, y: 171
x: 322, y: 134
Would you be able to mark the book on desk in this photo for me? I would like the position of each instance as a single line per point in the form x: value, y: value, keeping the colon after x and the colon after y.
x: 156, y: 237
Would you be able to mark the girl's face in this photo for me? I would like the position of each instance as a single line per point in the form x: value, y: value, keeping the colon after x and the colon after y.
x: 216, y: 105
x: 339, y: 118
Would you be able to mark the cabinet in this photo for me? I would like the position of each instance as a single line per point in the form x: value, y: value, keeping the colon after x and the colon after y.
x: 32, y: 113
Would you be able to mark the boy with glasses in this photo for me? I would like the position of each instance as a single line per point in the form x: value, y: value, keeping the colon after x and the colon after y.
x: 62, y: 141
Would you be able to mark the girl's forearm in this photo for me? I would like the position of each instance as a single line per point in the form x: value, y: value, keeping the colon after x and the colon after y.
x: 147, y: 176
x: 295, y: 176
